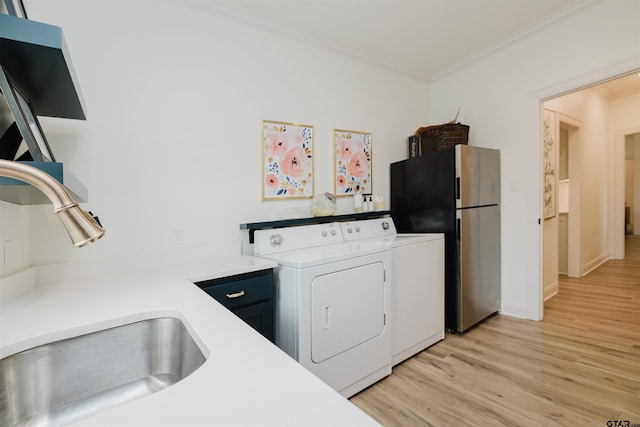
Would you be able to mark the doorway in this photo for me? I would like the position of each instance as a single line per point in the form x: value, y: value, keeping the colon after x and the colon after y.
x: 563, y: 190
x: 631, y: 182
x: 591, y: 197
x: 570, y: 192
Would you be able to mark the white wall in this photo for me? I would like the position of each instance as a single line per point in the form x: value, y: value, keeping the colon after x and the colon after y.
x: 551, y: 256
x: 14, y: 232
x: 15, y: 237
x: 591, y: 109
x: 629, y: 177
x: 499, y: 95
x: 635, y: 170
x: 629, y: 183
x: 624, y: 119
x: 174, y: 99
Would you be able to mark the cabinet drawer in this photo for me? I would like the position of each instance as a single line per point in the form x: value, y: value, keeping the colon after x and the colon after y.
x: 240, y: 290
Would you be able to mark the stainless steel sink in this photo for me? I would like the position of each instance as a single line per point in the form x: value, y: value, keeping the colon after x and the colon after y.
x: 65, y: 381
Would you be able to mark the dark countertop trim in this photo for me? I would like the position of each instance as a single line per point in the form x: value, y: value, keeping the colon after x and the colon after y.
x: 253, y: 226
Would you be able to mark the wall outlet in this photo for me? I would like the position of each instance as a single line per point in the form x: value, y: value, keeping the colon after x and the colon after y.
x: 177, y: 236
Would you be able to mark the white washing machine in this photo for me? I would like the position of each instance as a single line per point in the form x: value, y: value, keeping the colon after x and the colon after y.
x: 332, y: 303
x: 417, y: 299
x: 417, y: 294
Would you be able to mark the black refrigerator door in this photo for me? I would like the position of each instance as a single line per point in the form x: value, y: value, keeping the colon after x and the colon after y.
x: 423, y: 193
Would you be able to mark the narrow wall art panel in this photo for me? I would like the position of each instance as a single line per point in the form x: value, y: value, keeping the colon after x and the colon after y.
x: 287, y: 160
x: 352, y: 162
x: 550, y: 161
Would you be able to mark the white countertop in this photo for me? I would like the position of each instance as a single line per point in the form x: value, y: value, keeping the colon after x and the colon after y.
x: 246, y: 380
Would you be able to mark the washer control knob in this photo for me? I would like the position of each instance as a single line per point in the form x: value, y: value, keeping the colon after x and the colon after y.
x: 333, y: 232
x: 349, y: 230
x: 357, y: 229
x: 324, y: 233
x: 276, y: 240
x: 385, y: 225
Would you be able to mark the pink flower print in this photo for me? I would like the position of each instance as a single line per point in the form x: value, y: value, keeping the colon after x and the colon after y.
x: 272, y: 180
x: 348, y: 146
x: 358, y: 165
x: 295, y: 162
x: 278, y: 143
x: 341, y: 181
x: 345, y: 148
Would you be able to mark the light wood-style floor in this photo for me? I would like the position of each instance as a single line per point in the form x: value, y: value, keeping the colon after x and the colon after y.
x: 580, y: 366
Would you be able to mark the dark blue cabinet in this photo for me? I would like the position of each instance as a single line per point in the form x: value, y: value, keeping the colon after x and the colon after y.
x: 249, y: 296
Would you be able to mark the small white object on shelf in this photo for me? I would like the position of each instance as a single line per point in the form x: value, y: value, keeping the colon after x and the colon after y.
x: 323, y: 204
x: 357, y: 201
x: 378, y: 203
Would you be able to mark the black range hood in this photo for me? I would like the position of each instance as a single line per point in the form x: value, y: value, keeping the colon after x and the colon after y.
x: 35, y: 55
x: 37, y: 68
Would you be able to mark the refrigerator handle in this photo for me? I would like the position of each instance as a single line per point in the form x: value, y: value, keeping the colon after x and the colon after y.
x: 458, y: 229
x: 458, y: 188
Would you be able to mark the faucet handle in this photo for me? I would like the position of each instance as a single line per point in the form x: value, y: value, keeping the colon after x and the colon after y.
x: 95, y: 217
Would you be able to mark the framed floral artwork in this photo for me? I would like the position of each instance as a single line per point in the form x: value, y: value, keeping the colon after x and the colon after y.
x: 352, y: 162
x: 549, y: 164
x: 287, y: 160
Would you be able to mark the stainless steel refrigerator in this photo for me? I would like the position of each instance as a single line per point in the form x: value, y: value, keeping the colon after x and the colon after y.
x: 456, y: 191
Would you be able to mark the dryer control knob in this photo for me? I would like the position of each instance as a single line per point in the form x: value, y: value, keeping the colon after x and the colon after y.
x: 357, y: 229
x: 333, y: 232
x: 385, y: 225
x: 276, y: 240
x: 349, y: 230
x: 324, y: 233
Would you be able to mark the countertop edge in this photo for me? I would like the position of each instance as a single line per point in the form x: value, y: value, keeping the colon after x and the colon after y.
x: 242, y: 366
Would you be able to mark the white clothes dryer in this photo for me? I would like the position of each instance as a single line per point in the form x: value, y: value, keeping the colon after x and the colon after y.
x: 332, y: 300
x: 417, y: 294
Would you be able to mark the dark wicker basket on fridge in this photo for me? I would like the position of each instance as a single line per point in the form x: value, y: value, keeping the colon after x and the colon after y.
x: 438, y: 137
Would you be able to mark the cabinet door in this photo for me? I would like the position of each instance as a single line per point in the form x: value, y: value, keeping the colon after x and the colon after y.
x: 259, y: 317
x: 249, y: 296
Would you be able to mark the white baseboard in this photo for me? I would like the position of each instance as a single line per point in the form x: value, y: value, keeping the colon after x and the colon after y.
x: 514, y: 310
x: 550, y: 290
x: 595, y: 263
